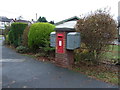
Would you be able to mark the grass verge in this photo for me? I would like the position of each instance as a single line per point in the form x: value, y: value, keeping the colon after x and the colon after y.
x: 101, y: 72
x: 1, y: 35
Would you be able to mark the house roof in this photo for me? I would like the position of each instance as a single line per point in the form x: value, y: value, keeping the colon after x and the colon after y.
x: 70, y: 24
x: 5, y: 19
x: 75, y: 18
x: 24, y: 21
x: 67, y: 26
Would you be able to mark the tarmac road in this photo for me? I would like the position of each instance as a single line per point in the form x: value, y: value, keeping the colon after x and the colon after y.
x: 19, y: 71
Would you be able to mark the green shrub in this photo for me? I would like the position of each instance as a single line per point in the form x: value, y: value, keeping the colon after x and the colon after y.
x: 10, y: 37
x: 17, y: 31
x: 2, y: 31
x: 22, y: 49
x: 48, y: 51
x: 39, y: 35
x: 83, y: 56
x: 6, y: 41
x: 6, y: 31
x: 25, y: 36
x: 40, y: 55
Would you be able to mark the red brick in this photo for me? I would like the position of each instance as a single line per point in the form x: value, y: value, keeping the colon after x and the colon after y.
x: 66, y: 59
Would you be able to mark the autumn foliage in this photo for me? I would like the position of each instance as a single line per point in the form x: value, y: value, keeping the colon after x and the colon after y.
x: 25, y: 36
x: 97, y: 30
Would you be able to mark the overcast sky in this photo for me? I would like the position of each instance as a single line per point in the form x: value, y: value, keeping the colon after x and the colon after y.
x: 56, y: 10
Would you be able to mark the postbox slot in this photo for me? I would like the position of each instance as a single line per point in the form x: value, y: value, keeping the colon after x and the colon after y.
x: 59, y: 36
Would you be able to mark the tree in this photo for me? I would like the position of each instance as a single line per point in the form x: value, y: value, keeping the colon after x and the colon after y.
x: 20, y: 18
x: 97, y: 30
x: 51, y: 22
x: 42, y: 19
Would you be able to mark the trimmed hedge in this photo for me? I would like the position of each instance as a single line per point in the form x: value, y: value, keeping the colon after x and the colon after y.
x: 25, y: 36
x: 10, y: 37
x: 16, y: 31
x: 39, y: 35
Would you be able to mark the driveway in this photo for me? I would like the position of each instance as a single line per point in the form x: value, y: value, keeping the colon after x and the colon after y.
x: 19, y: 71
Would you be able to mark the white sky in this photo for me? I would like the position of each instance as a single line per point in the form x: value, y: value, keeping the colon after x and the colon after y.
x: 56, y: 10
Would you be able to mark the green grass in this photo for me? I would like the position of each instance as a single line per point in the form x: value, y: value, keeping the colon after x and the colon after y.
x: 106, y: 76
x: 114, y: 48
x: 111, y: 55
x: 32, y: 56
x: 113, y: 52
x: 1, y: 35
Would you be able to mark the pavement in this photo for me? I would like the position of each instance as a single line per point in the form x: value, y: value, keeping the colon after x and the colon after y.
x: 20, y: 71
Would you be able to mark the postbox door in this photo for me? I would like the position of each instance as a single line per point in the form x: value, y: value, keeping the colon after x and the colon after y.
x: 60, y: 43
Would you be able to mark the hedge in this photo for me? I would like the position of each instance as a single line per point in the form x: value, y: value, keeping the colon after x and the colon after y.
x: 16, y: 31
x: 38, y: 35
x: 25, y: 36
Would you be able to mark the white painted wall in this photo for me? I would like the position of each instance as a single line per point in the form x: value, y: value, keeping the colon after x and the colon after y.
x: 2, y: 26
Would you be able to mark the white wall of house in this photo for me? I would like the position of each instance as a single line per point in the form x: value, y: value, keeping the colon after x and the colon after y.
x: 2, y: 25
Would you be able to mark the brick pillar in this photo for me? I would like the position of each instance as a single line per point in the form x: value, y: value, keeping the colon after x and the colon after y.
x: 66, y: 58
